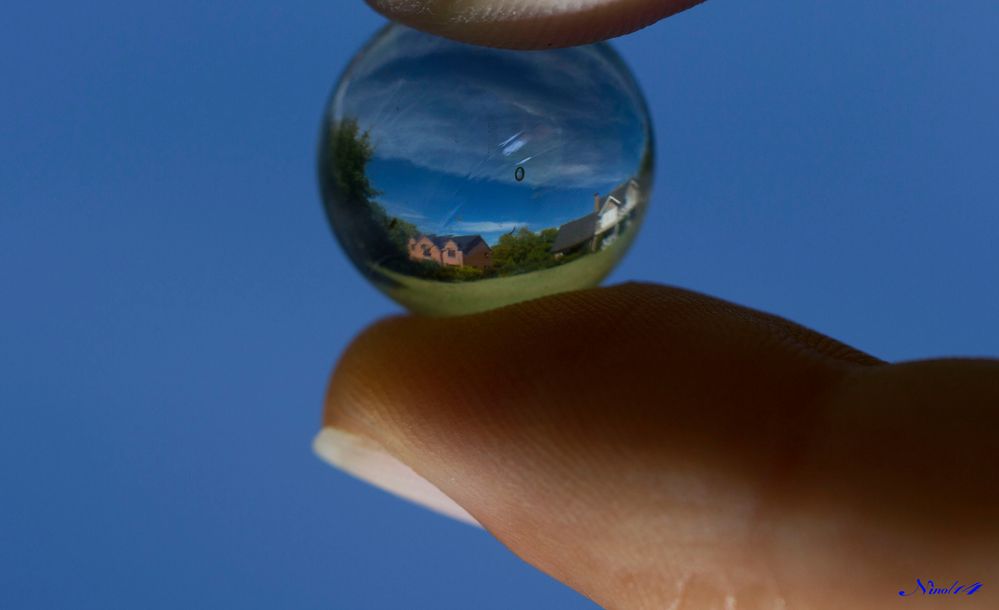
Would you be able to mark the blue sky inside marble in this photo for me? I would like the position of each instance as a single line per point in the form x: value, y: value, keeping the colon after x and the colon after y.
x: 451, y: 123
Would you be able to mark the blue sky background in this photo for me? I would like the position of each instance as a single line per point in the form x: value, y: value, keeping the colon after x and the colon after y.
x: 171, y: 299
x: 491, y: 208
x: 450, y: 124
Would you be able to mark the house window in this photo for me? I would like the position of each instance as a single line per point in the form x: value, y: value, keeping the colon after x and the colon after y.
x: 450, y: 252
x: 426, y: 251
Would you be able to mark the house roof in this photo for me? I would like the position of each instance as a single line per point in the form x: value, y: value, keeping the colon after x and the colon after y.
x: 465, y: 243
x: 575, y: 232
x: 617, y: 197
x: 608, y: 202
x: 620, y: 192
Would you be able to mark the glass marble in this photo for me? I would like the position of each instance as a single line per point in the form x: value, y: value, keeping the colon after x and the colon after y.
x: 460, y: 178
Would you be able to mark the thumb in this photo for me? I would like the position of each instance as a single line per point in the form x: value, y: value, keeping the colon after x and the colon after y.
x: 656, y: 448
x: 529, y: 24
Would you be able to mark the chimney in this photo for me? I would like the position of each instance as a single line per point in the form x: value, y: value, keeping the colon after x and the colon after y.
x: 596, y: 202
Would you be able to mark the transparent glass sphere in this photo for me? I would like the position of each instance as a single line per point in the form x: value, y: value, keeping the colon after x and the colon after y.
x: 462, y: 178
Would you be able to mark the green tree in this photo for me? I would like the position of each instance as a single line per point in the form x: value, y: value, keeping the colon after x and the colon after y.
x: 352, y: 150
x: 399, y: 231
x: 363, y: 225
x: 524, y: 250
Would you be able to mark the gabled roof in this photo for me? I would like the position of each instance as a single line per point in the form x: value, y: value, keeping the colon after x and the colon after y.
x: 620, y: 192
x: 438, y: 240
x: 608, y: 202
x: 465, y: 243
x: 575, y: 232
x: 618, y: 196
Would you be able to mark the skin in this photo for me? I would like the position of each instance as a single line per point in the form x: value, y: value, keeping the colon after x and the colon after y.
x: 529, y: 24
x: 656, y: 448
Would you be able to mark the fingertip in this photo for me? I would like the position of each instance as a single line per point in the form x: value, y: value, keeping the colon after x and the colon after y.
x: 529, y: 24
x: 363, y: 458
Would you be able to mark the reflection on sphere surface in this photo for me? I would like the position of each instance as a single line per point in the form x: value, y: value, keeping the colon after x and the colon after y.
x: 461, y: 178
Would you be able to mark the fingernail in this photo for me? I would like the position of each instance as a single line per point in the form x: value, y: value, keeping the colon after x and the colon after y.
x: 367, y: 461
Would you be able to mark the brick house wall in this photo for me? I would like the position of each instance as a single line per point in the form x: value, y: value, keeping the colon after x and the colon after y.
x: 479, y: 256
x: 448, y: 253
x: 424, y: 249
x: 452, y: 255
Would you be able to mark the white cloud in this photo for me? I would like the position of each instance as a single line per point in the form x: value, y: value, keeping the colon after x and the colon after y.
x: 570, y: 114
x: 402, y: 211
x: 486, y: 226
x: 513, y: 147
